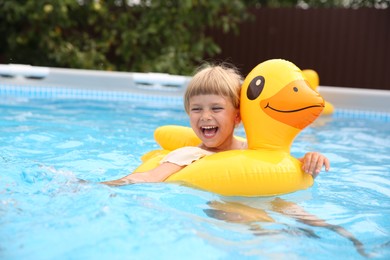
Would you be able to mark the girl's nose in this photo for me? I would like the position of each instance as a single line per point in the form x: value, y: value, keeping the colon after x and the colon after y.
x: 206, y: 115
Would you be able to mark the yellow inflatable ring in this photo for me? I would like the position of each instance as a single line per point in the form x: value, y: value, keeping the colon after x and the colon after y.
x: 276, y: 104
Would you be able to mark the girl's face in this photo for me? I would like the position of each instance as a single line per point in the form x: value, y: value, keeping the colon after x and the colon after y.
x: 213, y: 119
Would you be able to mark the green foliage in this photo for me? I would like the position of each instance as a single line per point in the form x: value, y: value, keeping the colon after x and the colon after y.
x: 146, y: 35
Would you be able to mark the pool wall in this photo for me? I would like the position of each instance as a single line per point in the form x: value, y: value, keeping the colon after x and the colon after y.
x: 33, y: 81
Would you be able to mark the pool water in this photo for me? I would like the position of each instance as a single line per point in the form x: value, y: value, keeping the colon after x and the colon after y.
x: 47, y: 145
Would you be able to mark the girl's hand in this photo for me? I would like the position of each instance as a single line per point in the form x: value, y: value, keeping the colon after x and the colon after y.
x: 312, y: 163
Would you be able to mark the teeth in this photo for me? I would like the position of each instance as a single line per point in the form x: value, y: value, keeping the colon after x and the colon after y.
x: 208, y: 127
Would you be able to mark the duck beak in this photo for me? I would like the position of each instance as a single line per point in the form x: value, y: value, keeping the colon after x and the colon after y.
x: 296, y: 105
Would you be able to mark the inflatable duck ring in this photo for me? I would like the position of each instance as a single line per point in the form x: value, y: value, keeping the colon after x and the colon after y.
x: 276, y: 104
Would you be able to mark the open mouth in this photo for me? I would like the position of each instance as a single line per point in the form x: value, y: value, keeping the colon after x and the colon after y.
x: 209, y: 131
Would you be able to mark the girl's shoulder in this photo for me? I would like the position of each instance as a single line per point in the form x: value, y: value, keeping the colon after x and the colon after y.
x: 186, y: 155
x: 240, y: 144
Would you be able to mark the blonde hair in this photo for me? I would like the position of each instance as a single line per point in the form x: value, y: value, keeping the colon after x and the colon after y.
x: 223, y: 80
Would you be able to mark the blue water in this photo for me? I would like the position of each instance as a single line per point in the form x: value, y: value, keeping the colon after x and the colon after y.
x: 46, y: 213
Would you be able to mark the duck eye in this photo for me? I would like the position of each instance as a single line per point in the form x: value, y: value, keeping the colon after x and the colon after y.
x: 295, y: 89
x: 255, y: 87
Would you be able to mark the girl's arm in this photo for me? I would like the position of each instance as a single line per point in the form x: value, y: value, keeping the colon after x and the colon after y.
x: 158, y: 174
x: 313, y: 162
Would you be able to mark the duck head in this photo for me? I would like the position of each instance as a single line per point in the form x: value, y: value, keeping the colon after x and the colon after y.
x: 276, y: 104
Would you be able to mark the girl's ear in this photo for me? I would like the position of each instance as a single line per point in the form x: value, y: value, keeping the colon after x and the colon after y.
x: 237, y: 120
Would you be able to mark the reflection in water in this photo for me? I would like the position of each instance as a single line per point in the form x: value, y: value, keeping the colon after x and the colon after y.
x: 236, y: 212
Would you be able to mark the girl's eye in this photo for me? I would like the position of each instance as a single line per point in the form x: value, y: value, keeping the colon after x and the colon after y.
x: 217, y: 108
x: 195, y: 109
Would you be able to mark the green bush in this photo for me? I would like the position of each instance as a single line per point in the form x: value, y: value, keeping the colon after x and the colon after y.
x: 160, y: 35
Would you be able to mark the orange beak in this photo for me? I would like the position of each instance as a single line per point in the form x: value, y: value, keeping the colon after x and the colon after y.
x: 296, y: 105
